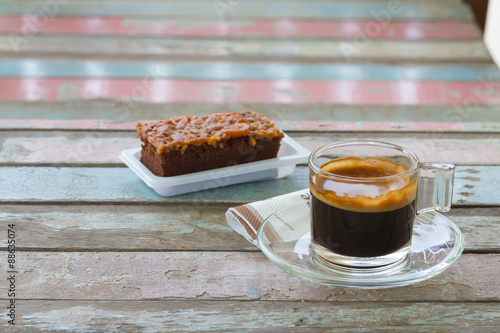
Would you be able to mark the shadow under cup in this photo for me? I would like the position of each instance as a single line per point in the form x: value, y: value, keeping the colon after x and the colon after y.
x: 363, y: 203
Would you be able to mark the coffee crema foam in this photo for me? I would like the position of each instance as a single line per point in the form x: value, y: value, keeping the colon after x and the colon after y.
x: 372, y: 196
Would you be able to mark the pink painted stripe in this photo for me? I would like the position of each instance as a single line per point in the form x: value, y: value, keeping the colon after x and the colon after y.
x: 252, y: 91
x: 263, y: 27
x: 81, y: 124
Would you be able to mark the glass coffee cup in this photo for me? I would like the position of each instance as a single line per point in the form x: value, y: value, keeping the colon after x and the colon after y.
x: 365, y: 196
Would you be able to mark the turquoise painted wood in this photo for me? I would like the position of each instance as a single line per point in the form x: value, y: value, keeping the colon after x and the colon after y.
x: 115, y: 227
x: 133, y: 110
x: 249, y: 9
x: 178, y: 227
x: 257, y: 316
x: 474, y: 185
x: 243, y: 70
x: 245, y: 276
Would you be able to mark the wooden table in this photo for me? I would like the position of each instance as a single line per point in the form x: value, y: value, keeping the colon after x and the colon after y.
x: 99, y: 251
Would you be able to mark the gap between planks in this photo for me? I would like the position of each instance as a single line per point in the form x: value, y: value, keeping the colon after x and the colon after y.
x: 294, y: 59
x: 148, y: 250
x: 121, y: 165
x: 4, y: 55
x: 290, y: 126
x: 167, y: 203
x: 296, y: 133
x: 184, y: 300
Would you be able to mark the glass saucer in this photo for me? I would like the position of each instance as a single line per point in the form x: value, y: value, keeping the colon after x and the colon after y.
x: 284, y: 237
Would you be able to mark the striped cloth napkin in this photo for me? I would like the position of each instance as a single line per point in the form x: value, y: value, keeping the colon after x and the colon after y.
x: 246, y: 219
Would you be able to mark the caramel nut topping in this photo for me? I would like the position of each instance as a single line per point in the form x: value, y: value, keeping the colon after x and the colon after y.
x: 213, y: 129
x: 241, y: 128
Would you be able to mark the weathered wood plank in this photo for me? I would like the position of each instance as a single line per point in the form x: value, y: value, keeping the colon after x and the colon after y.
x: 215, y: 275
x: 134, y: 110
x: 203, y: 70
x: 359, y: 93
x: 329, y: 49
x: 126, y: 26
x: 317, y: 126
x: 97, y: 147
x: 474, y: 185
x: 374, y: 126
x: 255, y: 316
x: 248, y: 9
x: 123, y: 228
x: 99, y: 228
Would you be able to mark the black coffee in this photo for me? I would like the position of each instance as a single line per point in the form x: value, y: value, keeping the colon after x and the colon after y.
x: 363, y: 220
x: 359, y: 234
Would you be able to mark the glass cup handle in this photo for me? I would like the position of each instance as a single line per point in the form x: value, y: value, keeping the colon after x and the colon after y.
x: 435, y: 187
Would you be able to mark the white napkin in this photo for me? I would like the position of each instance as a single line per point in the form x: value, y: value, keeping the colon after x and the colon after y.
x: 246, y: 219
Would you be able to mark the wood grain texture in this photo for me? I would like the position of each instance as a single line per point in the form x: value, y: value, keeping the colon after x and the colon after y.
x: 285, y: 125
x: 250, y: 9
x: 180, y: 227
x: 254, y: 316
x: 134, y: 26
x: 135, y: 110
x: 474, y: 185
x: 217, y: 275
x: 122, y: 228
x: 331, y: 49
x: 222, y: 70
x: 96, y: 147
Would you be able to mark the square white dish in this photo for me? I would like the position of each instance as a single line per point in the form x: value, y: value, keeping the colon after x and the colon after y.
x: 290, y: 154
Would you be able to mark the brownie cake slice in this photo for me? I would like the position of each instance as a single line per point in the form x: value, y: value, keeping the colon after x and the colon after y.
x: 187, y: 144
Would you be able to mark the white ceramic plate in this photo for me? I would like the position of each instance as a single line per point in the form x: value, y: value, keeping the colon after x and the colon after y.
x: 290, y: 154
